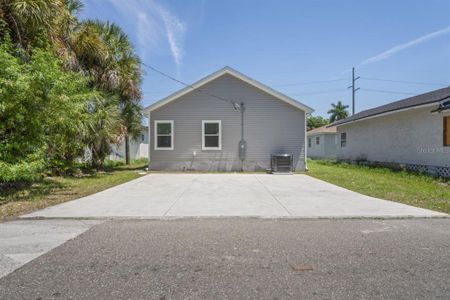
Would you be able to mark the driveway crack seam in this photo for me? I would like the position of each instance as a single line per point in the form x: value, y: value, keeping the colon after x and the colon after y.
x: 179, y: 197
x: 273, y: 196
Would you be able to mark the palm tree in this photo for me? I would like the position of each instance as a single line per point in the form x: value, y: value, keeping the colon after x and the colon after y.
x: 100, y: 128
x: 29, y: 20
x: 105, y: 52
x: 338, y: 111
x: 123, y: 75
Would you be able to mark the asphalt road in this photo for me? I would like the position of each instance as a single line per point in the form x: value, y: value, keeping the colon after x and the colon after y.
x: 243, y: 258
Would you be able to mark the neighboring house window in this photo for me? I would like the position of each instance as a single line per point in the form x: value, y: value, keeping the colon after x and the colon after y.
x: 142, y: 137
x: 343, y: 139
x: 164, y: 135
x: 317, y: 140
x: 447, y: 131
x: 309, y: 142
x: 211, y: 135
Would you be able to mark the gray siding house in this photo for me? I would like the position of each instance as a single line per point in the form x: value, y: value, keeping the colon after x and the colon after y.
x: 322, y: 142
x: 414, y: 133
x: 200, y: 127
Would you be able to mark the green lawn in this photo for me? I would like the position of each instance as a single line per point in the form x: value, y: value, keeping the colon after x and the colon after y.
x: 56, y: 190
x: 409, y: 188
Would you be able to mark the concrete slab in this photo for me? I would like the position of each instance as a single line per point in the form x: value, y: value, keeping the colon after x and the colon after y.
x: 229, y: 195
x: 23, y: 240
x: 216, y: 195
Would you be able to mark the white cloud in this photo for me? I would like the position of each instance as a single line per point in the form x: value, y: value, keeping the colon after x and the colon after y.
x: 157, y: 29
x: 388, y: 53
x: 175, y: 30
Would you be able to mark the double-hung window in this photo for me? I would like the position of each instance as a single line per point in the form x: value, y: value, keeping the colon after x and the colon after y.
x: 343, y: 139
x: 317, y: 140
x: 164, y: 135
x: 211, y: 135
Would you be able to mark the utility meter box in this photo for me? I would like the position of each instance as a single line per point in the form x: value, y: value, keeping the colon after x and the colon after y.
x: 242, y: 150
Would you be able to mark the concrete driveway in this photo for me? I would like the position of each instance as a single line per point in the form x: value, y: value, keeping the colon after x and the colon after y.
x: 215, y: 195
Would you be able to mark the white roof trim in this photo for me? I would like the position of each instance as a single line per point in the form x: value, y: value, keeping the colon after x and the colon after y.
x: 230, y: 71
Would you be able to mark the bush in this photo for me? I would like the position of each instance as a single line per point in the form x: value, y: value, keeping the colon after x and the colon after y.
x: 111, y: 164
x: 140, y: 161
x: 22, y: 172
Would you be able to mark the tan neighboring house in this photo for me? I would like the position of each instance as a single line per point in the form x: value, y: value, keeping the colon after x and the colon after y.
x: 322, y: 142
x: 413, y: 133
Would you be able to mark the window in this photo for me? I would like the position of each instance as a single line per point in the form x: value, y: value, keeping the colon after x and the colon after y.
x: 142, y: 137
x: 309, y: 142
x: 343, y: 139
x: 317, y: 140
x: 211, y: 135
x: 447, y: 131
x: 163, y: 135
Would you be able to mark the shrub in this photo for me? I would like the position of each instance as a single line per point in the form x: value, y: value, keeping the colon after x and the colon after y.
x: 22, y: 172
x: 140, y: 161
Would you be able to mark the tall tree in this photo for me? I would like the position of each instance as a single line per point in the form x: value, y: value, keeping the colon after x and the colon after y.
x: 338, y: 111
x: 100, y: 53
x: 124, y: 77
x: 28, y: 20
x: 316, y: 122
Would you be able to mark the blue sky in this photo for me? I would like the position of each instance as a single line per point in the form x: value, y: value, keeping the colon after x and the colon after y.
x: 304, y: 49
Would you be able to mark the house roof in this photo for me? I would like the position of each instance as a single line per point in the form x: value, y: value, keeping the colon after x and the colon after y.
x: 322, y: 130
x: 411, y: 102
x: 232, y: 72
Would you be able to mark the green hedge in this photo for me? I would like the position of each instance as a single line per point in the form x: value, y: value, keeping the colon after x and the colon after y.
x: 21, y: 172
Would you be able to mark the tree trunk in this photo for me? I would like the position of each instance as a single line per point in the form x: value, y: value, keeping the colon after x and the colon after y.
x: 127, y: 150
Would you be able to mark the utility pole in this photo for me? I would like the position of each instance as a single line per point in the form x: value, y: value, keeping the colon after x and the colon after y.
x: 353, y: 89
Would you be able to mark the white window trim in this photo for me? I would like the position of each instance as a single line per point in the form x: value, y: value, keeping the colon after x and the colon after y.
x: 172, y: 134
x: 203, y: 135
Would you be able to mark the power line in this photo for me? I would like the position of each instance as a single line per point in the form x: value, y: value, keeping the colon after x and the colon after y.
x: 404, y: 81
x: 156, y: 92
x: 387, y: 92
x: 308, y: 82
x: 234, y: 103
x: 321, y: 92
x: 189, y: 85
